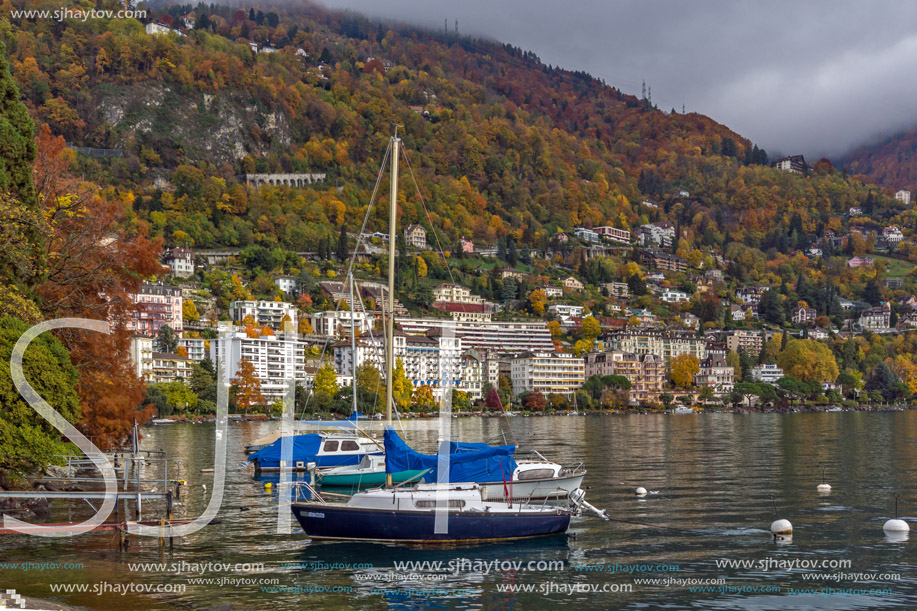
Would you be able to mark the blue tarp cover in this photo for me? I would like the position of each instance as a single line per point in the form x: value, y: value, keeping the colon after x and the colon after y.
x: 468, y: 462
x: 305, y: 449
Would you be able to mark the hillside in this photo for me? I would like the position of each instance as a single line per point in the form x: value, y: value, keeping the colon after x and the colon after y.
x: 504, y: 146
x: 892, y: 162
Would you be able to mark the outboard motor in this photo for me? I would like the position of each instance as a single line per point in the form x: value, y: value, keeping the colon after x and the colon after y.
x: 578, y: 498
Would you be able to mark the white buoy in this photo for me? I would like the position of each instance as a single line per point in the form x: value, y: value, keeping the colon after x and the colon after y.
x: 824, y: 486
x: 780, y: 528
x: 896, y: 525
x: 641, y: 491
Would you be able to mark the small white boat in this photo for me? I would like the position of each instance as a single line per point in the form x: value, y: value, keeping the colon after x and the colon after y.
x: 163, y: 421
x: 681, y: 409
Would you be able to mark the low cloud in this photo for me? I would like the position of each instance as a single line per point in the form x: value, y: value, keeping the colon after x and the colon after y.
x: 816, y: 77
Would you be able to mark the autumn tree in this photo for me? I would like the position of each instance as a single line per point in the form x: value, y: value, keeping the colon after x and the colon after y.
x: 808, y: 361
x: 493, y: 400
x: 537, y: 302
x: 534, y: 402
x: 684, y: 366
x: 402, y: 389
x: 326, y: 380
x: 422, y: 398
x: 246, y: 387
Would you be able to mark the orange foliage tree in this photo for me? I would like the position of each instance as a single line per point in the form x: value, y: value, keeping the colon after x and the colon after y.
x: 246, y: 387
x: 95, y: 258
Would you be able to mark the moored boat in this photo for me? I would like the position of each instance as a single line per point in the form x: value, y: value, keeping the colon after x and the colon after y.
x: 408, y: 515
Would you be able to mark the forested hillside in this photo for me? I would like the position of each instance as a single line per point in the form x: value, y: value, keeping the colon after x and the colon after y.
x: 891, y: 162
x: 501, y: 142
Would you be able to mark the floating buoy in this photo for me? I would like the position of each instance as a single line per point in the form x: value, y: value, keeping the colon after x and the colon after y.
x: 896, y: 525
x: 780, y: 528
x: 824, y: 486
x: 641, y: 491
x: 267, y: 486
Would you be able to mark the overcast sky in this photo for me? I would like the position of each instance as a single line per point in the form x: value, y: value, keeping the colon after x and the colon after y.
x: 812, y: 76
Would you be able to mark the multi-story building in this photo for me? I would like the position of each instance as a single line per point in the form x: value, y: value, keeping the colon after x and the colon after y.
x: 716, y: 374
x: 265, y: 313
x: 455, y: 293
x: 566, y: 310
x: 195, y: 347
x: 478, y: 369
x: 664, y: 344
x: 795, y: 164
x: 750, y: 294
x: 877, y: 318
x: 767, y: 372
x: 338, y: 323
x: 662, y: 260
x: 892, y: 235
x: 658, y: 234
x: 156, y: 305
x: 674, y: 296
x: 903, y: 196
x: 749, y: 341
x: 803, y: 315
x: 502, y: 337
x: 287, y: 284
x: 276, y: 360
x: 617, y: 289
x: 180, y: 261
x: 586, y: 234
x: 167, y: 367
x: 466, y: 245
x: 551, y: 292
x: 614, y: 234
x: 645, y: 372
x: 415, y: 236
x: 573, y: 284
x: 433, y: 359
x: 547, y: 373
x: 142, y: 356
x: 466, y: 312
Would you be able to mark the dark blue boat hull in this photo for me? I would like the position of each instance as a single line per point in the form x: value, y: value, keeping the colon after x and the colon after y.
x: 350, y: 523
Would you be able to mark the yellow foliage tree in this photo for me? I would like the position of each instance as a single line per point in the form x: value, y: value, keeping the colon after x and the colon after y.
x: 326, y: 380
x: 684, y: 366
x: 808, y: 361
x: 538, y: 300
x: 189, y: 311
x: 305, y: 327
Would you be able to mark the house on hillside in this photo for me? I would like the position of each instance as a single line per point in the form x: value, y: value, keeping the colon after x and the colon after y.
x: 415, y: 236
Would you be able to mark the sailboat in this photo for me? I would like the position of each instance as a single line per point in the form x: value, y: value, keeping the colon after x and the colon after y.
x: 413, y: 513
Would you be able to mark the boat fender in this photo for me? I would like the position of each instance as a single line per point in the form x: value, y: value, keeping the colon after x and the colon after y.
x: 641, y: 491
x: 896, y: 525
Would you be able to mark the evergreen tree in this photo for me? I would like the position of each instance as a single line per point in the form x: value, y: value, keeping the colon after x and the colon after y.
x: 342, y: 245
x: 166, y: 340
x: 871, y: 292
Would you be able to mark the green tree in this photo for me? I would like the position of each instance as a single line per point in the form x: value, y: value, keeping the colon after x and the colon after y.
x: 666, y: 399
x: 203, y: 381
x: 342, y: 245
x: 28, y: 441
x: 180, y: 397
x: 368, y: 377
x: 166, y: 340
x: 460, y: 401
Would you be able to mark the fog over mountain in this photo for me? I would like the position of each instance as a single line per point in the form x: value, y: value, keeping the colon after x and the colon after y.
x: 814, y: 77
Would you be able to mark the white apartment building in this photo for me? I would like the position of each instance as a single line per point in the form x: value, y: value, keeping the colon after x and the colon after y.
x: 142, y: 356
x: 767, y: 372
x: 586, y: 234
x: 433, y: 360
x: 287, y: 284
x: 566, y: 310
x: 547, y: 373
x: 551, y: 292
x: 674, y: 296
x: 338, y: 323
x: 749, y: 341
x: 180, y: 261
x: 502, y: 337
x: 276, y: 359
x: 903, y: 196
x: 196, y: 348
x: 265, y: 313
x: 716, y: 374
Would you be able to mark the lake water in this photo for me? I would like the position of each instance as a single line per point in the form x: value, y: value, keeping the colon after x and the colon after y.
x: 710, y: 477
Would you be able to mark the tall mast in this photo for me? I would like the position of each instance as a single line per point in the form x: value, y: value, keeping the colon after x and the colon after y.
x: 353, y: 343
x: 390, y: 321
